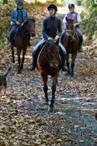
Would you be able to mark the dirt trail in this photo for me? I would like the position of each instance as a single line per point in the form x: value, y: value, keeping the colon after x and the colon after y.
x: 24, y: 117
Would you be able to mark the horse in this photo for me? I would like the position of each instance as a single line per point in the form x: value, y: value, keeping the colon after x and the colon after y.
x: 21, y: 41
x: 70, y: 41
x: 49, y: 63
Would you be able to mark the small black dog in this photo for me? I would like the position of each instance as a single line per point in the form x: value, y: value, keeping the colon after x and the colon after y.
x: 3, y: 81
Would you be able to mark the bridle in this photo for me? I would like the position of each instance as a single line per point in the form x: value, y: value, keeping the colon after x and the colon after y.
x: 50, y: 62
x: 72, y: 33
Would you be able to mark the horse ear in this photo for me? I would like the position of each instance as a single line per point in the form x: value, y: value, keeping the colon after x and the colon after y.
x: 57, y: 41
x: 46, y: 43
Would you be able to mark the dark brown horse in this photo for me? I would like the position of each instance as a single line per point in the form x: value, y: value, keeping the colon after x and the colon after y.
x: 22, y: 39
x: 49, y: 63
x: 71, y: 43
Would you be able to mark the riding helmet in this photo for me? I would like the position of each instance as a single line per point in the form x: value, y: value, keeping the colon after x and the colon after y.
x: 20, y: 3
x: 52, y: 6
x: 71, y: 6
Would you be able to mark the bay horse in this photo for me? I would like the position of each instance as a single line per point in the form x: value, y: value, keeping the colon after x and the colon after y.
x: 70, y: 41
x: 22, y: 39
x: 49, y: 63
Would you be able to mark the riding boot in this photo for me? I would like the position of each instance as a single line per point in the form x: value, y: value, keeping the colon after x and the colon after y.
x: 80, y: 43
x: 34, y: 56
x: 64, y: 67
x: 11, y: 39
x: 11, y: 42
x: 32, y: 67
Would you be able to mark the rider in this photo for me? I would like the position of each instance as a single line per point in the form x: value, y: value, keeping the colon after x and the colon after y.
x: 18, y: 17
x: 52, y: 29
x: 77, y: 21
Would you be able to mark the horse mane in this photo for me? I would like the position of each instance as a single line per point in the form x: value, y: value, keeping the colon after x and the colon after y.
x: 51, y: 42
x: 69, y: 20
x: 32, y: 19
x: 21, y: 28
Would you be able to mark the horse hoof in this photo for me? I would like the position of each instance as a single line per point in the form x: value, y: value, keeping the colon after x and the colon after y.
x: 19, y: 72
x: 71, y: 78
x: 50, y: 109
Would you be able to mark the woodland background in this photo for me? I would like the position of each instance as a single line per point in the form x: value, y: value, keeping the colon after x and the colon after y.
x: 24, y: 117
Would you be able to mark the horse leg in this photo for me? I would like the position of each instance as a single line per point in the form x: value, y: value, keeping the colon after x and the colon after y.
x: 73, y: 64
x: 12, y: 49
x: 45, y: 87
x: 67, y: 63
x: 54, y: 82
x: 19, y: 61
x: 23, y: 58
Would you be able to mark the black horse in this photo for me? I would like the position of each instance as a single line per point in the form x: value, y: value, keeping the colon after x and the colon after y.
x: 21, y: 41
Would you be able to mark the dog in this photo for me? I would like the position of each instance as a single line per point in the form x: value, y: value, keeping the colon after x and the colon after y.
x: 3, y: 81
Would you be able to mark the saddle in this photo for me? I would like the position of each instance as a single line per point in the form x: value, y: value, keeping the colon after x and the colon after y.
x: 40, y: 47
x: 65, y: 36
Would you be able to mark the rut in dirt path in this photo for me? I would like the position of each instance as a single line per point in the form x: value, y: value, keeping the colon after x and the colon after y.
x: 73, y: 121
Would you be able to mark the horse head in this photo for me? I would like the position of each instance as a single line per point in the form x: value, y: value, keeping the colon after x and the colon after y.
x: 70, y: 29
x: 52, y: 53
x: 29, y: 27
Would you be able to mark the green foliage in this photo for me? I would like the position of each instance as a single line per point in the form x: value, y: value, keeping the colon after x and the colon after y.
x: 1, y: 1
x: 5, y: 12
x: 89, y: 20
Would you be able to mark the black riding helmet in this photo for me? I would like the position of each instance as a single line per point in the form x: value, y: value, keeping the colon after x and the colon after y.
x: 71, y: 6
x: 52, y: 6
x: 19, y: 3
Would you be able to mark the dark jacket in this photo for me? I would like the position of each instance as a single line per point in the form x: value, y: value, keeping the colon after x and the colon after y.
x: 18, y: 15
x: 52, y: 26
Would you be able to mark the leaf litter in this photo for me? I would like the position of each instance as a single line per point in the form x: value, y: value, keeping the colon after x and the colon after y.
x: 24, y: 117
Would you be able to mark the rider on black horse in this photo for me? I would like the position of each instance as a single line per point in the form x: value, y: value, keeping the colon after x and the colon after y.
x: 18, y: 18
x: 77, y: 21
x: 52, y: 29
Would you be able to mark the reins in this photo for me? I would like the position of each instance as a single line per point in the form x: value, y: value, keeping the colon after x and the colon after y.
x: 72, y: 34
x: 50, y: 62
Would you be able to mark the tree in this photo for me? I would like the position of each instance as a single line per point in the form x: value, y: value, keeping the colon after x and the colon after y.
x: 5, y: 1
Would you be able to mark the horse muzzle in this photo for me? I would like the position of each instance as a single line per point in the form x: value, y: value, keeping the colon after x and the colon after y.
x: 54, y: 66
